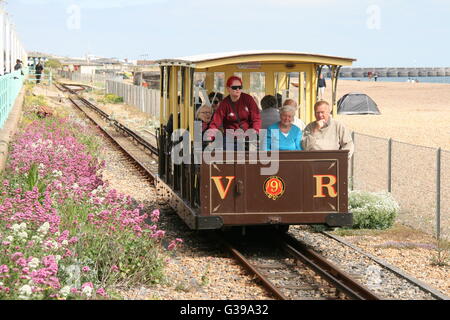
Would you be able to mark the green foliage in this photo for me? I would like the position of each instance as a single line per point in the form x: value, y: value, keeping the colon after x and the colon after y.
x: 111, y: 98
x: 33, y: 179
x: 372, y: 210
x: 53, y: 63
x: 31, y: 101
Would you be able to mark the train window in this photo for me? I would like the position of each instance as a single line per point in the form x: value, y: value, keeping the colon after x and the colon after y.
x: 257, y: 84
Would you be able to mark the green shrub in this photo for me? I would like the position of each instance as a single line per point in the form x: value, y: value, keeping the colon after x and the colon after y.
x: 31, y: 101
x: 372, y: 210
x: 111, y: 98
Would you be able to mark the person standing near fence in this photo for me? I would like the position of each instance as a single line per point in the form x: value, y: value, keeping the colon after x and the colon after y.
x: 39, y: 68
x: 322, y: 85
x: 326, y: 133
x: 18, y: 66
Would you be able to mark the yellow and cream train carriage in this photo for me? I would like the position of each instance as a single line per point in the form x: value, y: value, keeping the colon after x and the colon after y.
x: 308, y: 187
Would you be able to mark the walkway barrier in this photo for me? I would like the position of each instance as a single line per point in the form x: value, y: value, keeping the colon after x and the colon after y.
x: 418, y: 177
x: 10, y: 85
x: 88, y: 78
x: 45, y: 78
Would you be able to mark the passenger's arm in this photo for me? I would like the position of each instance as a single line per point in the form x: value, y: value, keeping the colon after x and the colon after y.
x: 216, y: 121
x: 308, y: 140
x: 298, y: 140
x: 255, y: 115
x: 346, y: 141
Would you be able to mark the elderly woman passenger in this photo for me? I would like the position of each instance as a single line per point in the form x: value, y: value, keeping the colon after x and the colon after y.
x: 284, y: 135
x: 204, y: 114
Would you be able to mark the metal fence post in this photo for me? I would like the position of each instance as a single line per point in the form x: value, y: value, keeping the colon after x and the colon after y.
x: 352, y: 186
x: 390, y: 165
x: 438, y: 193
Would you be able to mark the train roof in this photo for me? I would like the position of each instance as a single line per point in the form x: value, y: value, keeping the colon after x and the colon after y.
x: 258, y: 56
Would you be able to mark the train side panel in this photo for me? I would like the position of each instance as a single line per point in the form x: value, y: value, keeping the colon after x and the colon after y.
x: 308, y: 188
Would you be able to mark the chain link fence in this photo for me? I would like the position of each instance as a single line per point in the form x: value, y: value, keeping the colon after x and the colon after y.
x: 418, y: 177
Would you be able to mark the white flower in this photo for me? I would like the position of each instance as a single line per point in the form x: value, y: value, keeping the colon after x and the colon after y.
x: 25, y: 292
x: 64, y: 242
x: 44, y: 228
x: 65, y: 291
x: 10, y: 238
x: 57, y: 258
x: 87, y: 290
x: 75, y: 186
x: 41, y: 166
x: 23, y: 235
x: 34, y: 263
x: 36, y: 239
x: 57, y: 173
x: 15, y: 227
x: 23, y: 226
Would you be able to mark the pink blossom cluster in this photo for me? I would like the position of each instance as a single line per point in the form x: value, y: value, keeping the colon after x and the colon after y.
x: 39, y: 245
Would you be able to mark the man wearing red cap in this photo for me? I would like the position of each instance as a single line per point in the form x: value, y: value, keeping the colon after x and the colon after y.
x: 238, y: 110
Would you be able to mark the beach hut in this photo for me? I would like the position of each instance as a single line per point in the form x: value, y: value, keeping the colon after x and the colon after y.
x: 357, y: 103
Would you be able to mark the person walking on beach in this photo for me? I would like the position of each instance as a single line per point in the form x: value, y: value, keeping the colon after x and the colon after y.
x: 375, y: 76
x: 322, y: 85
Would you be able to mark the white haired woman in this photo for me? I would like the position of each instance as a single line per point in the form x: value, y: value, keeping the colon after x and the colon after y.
x: 284, y: 135
x: 204, y: 114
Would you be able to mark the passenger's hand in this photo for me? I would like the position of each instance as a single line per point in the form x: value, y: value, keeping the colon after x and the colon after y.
x: 320, y: 124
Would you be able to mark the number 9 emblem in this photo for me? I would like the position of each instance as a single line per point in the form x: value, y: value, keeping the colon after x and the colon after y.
x: 274, y: 187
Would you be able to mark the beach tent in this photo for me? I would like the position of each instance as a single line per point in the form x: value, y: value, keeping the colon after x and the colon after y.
x: 357, y: 103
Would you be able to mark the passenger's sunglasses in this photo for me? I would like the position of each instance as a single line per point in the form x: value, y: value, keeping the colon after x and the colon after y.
x: 236, y: 87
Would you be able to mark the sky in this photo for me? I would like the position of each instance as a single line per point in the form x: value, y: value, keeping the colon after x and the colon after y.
x: 378, y: 33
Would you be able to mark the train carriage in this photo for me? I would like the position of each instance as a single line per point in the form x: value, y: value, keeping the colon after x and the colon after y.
x: 208, y: 193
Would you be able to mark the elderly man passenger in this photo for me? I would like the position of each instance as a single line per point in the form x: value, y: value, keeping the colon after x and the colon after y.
x: 297, y: 121
x: 284, y: 135
x: 326, y: 133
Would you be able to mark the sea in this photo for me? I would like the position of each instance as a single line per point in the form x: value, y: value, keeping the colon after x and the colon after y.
x: 404, y: 79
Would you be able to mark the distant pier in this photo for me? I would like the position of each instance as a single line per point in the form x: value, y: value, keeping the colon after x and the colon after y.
x: 390, y: 72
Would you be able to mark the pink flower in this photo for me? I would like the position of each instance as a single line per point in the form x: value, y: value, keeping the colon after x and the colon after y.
x: 114, y: 268
x: 101, y: 292
x: 86, y: 269
x: 155, y: 215
x: 16, y: 256
x: 21, y: 262
x: 87, y: 284
x: 158, y: 234
x: 4, y: 268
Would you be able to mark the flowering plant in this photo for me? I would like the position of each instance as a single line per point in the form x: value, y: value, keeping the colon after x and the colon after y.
x: 63, y: 233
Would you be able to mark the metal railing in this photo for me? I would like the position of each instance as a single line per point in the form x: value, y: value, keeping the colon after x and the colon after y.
x: 38, y: 78
x: 418, y: 177
x: 88, y: 78
x: 10, y: 85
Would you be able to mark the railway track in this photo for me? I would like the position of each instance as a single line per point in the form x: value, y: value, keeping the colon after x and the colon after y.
x: 287, y: 267
x: 290, y: 270
x: 138, y: 151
